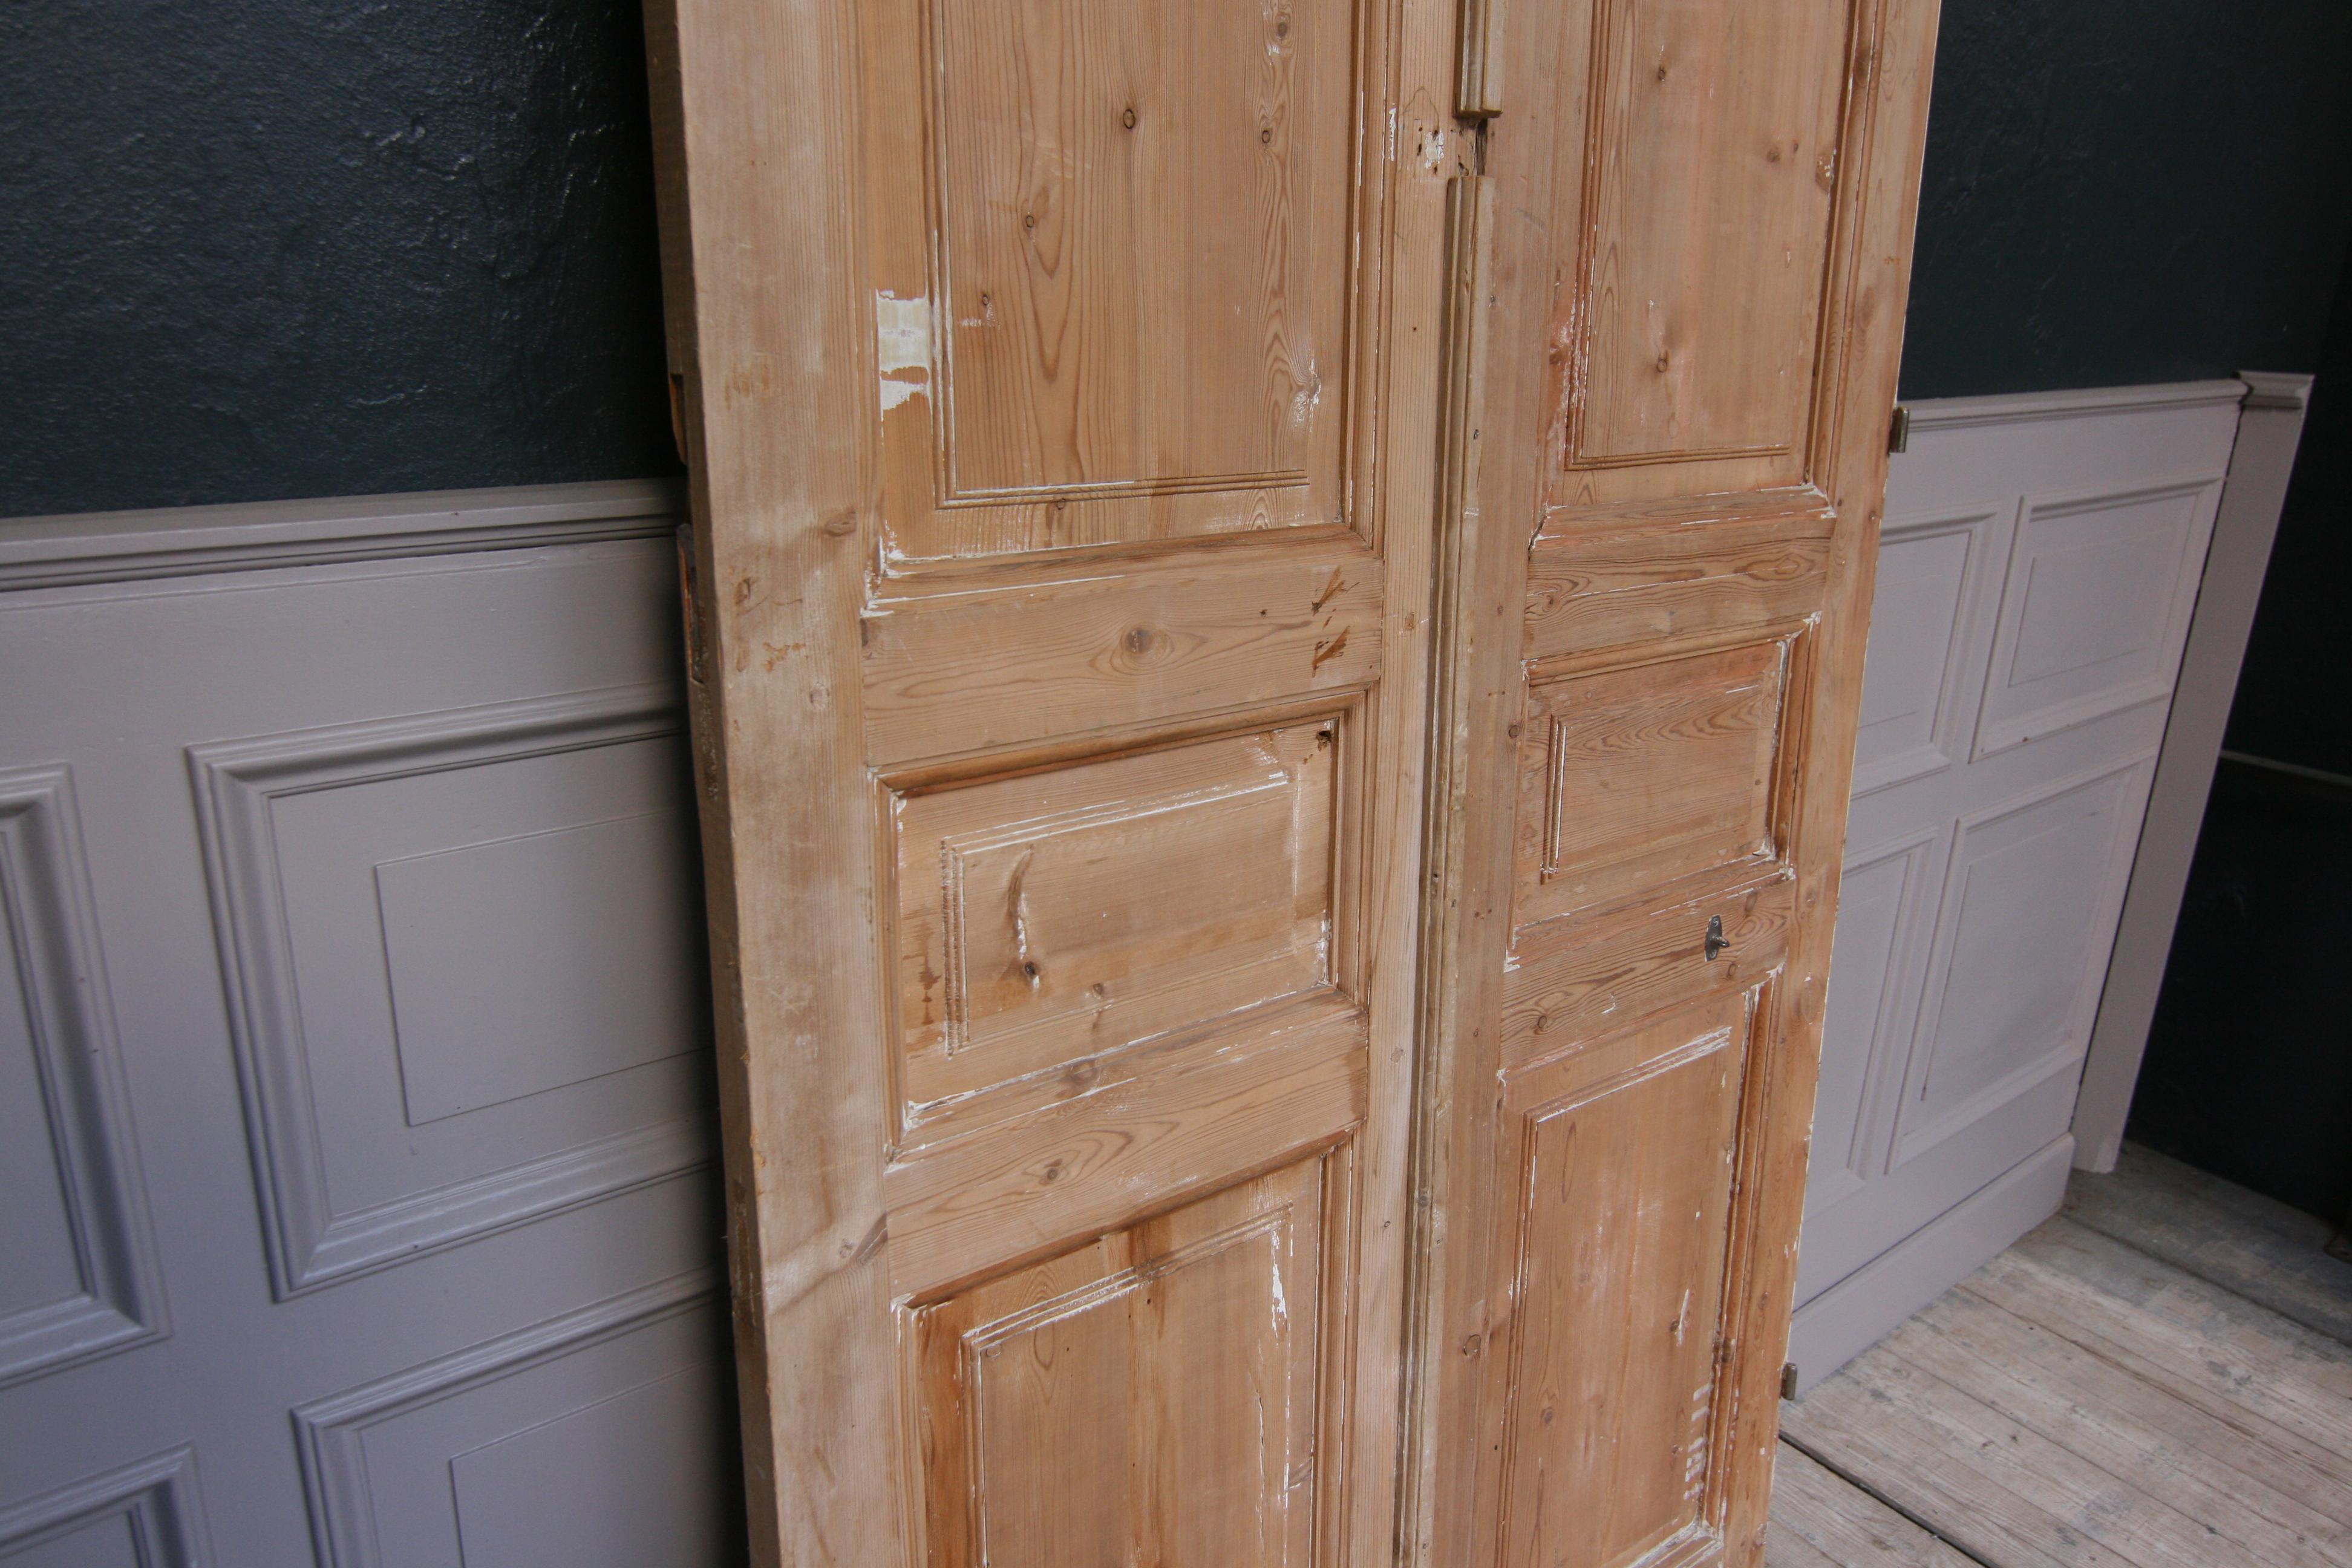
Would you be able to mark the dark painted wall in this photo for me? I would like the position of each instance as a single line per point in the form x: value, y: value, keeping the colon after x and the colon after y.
x: 2249, y: 1067
x: 2123, y: 191
x: 253, y: 248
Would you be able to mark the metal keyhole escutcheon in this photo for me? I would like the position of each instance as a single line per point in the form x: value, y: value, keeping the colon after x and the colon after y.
x: 1716, y: 940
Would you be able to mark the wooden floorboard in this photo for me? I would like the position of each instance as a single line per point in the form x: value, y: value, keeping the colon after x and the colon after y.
x: 2249, y: 1245
x: 1819, y: 1520
x: 2087, y: 1401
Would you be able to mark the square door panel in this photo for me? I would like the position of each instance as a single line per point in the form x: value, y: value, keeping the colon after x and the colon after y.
x: 1054, y: 916
x: 1634, y: 776
x: 1111, y: 249
x: 1711, y: 142
x: 1625, y: 1165
x: 2095, y: 610
x: 1152, y: 1396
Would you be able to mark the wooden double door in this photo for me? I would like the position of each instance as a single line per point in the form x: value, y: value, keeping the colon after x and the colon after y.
x: 1276, y: 607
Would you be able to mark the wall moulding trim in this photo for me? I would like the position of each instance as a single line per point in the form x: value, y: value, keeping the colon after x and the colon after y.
x: 178, y: 541
x: 331, y: 1432
x: 235, y: 782
x: 156, y: 1496
x: 2027, y: 407
x: 48, y: 918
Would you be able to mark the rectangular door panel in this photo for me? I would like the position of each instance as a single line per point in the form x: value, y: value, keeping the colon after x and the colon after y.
x: 1153, y: 1396
x: 1018, y: 949
x: 1609, y: 1351
x: 1711, y: 144
x: 1635, y: 775
x: 1091, y: 197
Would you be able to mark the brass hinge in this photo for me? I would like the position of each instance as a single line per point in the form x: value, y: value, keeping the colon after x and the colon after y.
x: 1898, y: 430
x: 1788, y: 1380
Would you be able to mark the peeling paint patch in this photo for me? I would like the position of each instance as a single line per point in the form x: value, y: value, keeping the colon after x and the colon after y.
x: 902, y: 347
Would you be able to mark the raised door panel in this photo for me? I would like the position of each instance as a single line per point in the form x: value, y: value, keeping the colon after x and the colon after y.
x: 1112, y: 270
x: 1611, y: 1343
x: 1020, y: 951
x: 1636, y: 775
x: 1712, y: 131
x: 1154, y: 1396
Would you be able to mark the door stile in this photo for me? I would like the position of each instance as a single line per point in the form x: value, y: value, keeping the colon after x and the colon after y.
x: 778, y: 561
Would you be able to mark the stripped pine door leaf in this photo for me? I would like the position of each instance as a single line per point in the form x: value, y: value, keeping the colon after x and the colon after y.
x: 1690, y: 246
x: 1679, y: 277
x: 1059, y: 382
x: 1129, y: 454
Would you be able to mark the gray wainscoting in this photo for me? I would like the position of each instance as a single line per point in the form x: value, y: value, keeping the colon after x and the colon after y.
x: 356, y: 1202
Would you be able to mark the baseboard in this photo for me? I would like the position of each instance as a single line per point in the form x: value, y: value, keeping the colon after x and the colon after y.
x: 1867, y: 1305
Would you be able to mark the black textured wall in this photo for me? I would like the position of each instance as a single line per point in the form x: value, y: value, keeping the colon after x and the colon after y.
x: 255, y: 248
x: 2249, y: 1066
x: 2122, y: 190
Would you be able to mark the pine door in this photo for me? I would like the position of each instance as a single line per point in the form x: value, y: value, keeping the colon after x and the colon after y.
x: 1137, y: 448
x: 1059, y: 380
x: 1681, y: 276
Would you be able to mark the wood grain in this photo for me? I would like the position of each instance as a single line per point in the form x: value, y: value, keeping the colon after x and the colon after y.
x: 1058, y: 482
x: 1019, y: 950
x: 1078, y: 199
x: 1151, y: 1397
x: 1642, y: 587
x: 1577, y: 979
x: 1130, y: 647
x: 1633, y: 777
x: 1820, y: 1521
x: 1606, y: 1363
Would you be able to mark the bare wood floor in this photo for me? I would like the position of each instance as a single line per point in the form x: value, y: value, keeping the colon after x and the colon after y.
x: 2158, y: 1377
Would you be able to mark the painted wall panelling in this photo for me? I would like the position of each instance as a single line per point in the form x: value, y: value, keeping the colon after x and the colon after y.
x: 351, y: 908
x: 2038, y: 568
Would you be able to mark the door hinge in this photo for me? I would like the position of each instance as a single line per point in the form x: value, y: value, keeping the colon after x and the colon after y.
x: 1478, y: 86
x: 1898, y: 430
x: 1788, y: 1380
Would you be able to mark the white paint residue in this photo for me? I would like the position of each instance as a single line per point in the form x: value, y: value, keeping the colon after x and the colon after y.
x: 902, y: 343
x: 1304, y: 400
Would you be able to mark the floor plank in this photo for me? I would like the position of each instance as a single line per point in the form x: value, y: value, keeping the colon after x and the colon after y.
x: 1821, y: 1521
x: 2249, y: 1244
x: 2173, y: 1327
x: 2005, y: 1494
x: 2106, y: 1393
